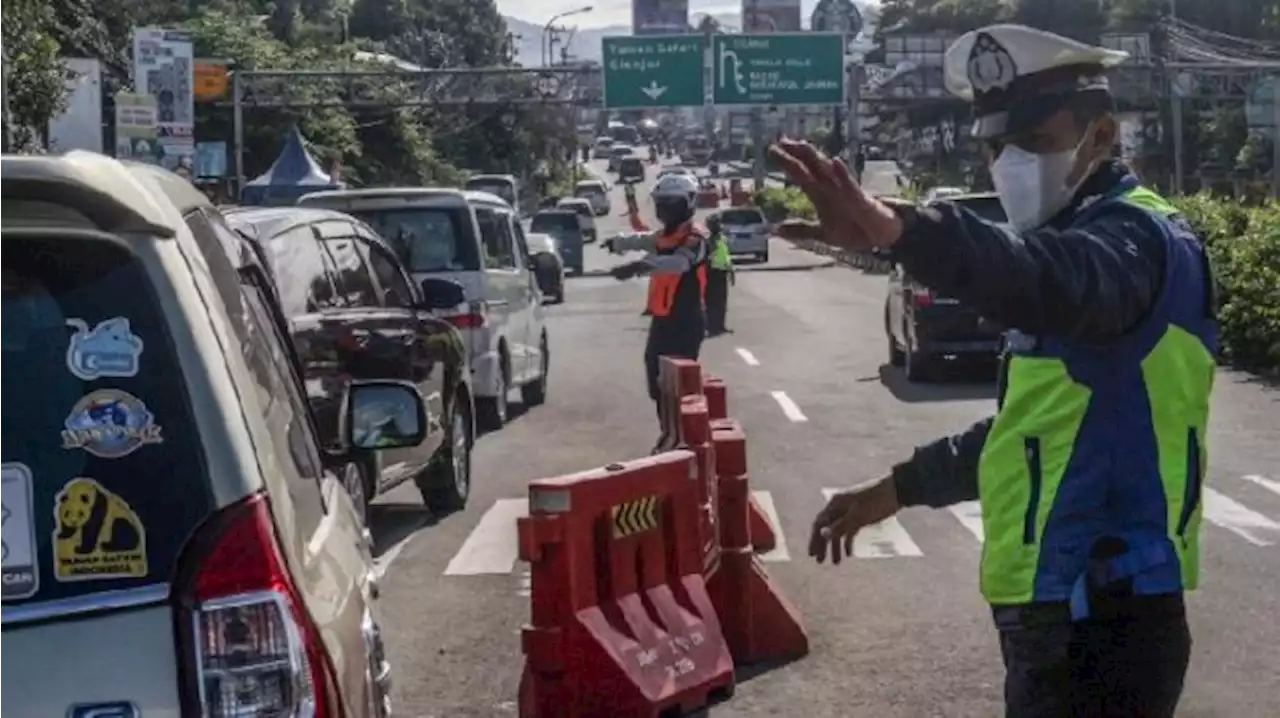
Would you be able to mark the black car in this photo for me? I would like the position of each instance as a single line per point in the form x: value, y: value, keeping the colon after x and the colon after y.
x: 630, y: 170
x: 566, y: 228
x: 354, y: 314
x: 924, y: 329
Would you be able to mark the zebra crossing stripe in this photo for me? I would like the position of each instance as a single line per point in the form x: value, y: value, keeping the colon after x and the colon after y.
x: 1239, y: 519
x: 969, y: 513
x: 1269, y: 484
x: 886, y: 539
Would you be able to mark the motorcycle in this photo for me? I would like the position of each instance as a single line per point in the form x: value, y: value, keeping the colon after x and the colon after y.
x: 653, y: 156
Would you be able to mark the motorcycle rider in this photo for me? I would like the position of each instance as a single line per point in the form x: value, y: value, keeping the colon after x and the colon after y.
x: 677, y: 269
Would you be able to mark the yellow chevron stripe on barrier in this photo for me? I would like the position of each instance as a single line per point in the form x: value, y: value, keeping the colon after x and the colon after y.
x: 633, y: 517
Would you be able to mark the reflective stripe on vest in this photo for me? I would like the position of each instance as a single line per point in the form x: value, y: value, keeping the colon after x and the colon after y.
x: 1103, y: 442
x: 720, y: 257
x: 663, y: 288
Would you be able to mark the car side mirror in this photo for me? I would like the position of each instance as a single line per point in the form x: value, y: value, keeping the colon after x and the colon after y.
x: 384, y: 415
x: 442, y: 293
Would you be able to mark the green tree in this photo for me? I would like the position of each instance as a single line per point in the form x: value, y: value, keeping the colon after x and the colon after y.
x: 35, y: 79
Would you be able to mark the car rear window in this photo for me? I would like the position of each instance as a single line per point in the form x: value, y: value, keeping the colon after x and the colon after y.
x: 554, y: 222
x: 988, y: 208
x: 588, y: 190
x: 104, y: 476
x: 741, y: 216
x: 427, y: 239
x: 581, y: 208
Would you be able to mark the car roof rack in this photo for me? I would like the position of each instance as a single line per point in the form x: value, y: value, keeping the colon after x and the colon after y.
x: 98, y: 187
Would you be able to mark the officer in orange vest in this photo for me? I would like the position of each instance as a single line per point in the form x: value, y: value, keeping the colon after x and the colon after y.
x: 677, y: 269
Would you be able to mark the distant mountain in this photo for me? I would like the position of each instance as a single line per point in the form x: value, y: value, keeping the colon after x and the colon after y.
x: 585, y: 43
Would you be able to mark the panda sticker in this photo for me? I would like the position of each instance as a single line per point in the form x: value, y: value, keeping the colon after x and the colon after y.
x: 96, y: 534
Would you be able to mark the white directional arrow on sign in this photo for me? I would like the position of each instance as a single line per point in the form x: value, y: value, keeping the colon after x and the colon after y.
x: 653, y: 90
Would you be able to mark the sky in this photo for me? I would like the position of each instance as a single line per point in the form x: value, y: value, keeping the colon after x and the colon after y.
x: 613, y: 12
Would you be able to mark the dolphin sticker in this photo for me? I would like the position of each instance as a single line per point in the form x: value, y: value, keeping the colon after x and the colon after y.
x: 110, y: 349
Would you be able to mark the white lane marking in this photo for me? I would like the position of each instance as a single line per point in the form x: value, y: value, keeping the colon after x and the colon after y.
x: 886, y: 539
x: 779, y: 552
x: 969, y: 513
x: 492, y: 546
x: 1268, y: 484
x: 1239, y: 519
x: 748, y: 357
x: 788, y: 407
x: 524, y: 584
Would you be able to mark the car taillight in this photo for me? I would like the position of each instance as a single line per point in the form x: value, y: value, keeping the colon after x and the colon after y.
x: 921, y: 296
x: 472, y: 318
x: 256, y: 650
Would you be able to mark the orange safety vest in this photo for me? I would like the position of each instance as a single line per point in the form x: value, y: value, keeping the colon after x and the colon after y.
x: 664, y: 288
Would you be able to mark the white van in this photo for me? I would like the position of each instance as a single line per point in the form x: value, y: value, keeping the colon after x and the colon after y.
x: 474, y: 239
x: 505, y: 186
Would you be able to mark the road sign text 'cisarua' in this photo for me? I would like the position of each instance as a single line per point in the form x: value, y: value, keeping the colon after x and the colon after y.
x: 653, y: 71
x: 779, y: 69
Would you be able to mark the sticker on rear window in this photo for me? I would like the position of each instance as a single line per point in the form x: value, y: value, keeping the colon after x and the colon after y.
x: 114, y: 709
x: 96, y: 534
x: 21, y: 576
x: 110, y: 423
x: 110, y: 349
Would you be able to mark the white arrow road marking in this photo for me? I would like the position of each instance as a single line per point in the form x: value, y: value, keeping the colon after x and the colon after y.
x: 1239, y: 519
x: 654, y: 91
x: 886, y: 539
x: 779, y: 552
x: 492, y: 547
x: 1268, y: 484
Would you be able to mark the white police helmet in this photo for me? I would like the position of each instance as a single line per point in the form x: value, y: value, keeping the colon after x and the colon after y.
x: 675, y: 185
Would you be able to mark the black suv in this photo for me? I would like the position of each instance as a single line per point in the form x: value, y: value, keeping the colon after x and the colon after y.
x: 354, y: 314
x: 923, y: 328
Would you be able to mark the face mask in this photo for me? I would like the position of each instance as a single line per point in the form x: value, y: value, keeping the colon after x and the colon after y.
x: 1034, y: 187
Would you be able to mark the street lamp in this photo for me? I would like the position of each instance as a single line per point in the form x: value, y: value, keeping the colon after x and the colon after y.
x: 548, y: 32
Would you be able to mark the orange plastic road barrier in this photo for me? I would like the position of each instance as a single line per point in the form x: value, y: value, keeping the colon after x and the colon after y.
x: 760, y: 624
x: 737, y: 199
x: 621, y: 622
x: 708, y: 198
x: 677, y: 378
x: 763, y: 538
x: 695, y: 435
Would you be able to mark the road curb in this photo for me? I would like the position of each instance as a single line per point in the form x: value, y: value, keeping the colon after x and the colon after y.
x: 858, y: 260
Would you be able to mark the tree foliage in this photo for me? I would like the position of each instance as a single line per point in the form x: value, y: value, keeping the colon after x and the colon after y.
x: 385, y: 145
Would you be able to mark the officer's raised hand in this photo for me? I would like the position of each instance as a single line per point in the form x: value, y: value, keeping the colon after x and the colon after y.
x: 847, y: 216
x: 847, y: 513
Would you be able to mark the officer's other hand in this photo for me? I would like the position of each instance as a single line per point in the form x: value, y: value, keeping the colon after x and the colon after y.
x: 848, y: 216
x: 847, y: 513
x: 624, y: 271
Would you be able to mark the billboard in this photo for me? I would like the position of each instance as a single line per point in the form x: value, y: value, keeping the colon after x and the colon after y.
x: 770, y: 15
x: 659, y: 17
x: 163, y: 68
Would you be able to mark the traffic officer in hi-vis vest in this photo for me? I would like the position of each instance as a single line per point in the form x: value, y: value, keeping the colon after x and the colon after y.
x: 1090, y: 473
x: 720, y: 275
x: 677, y: 269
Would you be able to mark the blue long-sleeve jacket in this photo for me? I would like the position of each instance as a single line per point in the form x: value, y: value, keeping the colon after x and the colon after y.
x: 1090, y: 283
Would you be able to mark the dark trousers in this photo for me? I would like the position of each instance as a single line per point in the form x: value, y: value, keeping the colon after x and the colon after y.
x: 717, y: 300
x: 670, y: 338
x: 1126, y: 661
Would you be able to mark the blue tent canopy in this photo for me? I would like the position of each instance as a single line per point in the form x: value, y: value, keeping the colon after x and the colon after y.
x: 294, y: 173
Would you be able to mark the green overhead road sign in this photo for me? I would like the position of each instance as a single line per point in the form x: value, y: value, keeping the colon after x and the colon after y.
x: 779, y: 69
x: 653, y: 71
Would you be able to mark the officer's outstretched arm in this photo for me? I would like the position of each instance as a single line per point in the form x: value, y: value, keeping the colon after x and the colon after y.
x: 684, y: 258
x: 944, y: 472
x: 1092, y: 282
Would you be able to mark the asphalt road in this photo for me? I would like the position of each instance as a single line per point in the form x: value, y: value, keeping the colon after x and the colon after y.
x: 900, y: 630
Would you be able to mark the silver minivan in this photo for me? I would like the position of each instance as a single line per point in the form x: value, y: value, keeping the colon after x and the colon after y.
x: 474, y: 239
x: 177, y: 542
